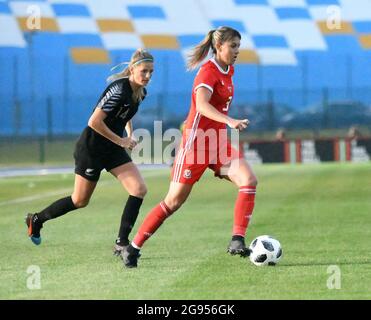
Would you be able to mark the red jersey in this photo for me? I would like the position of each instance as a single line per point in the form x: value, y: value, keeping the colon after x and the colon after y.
x: 205, y: 143
x: 212, y: 77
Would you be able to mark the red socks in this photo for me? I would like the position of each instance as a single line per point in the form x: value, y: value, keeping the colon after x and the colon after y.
x: 151, y: 223
x: 243, y: 209
x: 242, y: 214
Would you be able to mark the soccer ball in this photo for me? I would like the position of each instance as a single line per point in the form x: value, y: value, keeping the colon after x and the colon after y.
x: 265, y: 250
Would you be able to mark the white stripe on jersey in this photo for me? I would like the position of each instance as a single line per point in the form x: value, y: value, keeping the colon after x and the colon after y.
x: 196, y: 121
x: 177, y: 165
x: 183, y: 152
x: 187, y: 146
x: 219, y: 67
x: 112, y: 102
x: 114, y: 91
x: 204, y: 85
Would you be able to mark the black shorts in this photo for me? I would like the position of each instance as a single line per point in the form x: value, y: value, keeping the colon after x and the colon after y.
x: 89, y: 164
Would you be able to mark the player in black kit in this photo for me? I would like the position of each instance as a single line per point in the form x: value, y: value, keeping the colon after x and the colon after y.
x: 102, y: 146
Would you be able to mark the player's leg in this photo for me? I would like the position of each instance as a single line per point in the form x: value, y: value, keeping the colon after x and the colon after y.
x: 177, y: 195
x: 131, y: 179
x: 80, y: 198
x: 242, y: 175
x: 184, y: 174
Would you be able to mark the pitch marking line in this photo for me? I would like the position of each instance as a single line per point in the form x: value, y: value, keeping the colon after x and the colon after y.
x: 68, y: 190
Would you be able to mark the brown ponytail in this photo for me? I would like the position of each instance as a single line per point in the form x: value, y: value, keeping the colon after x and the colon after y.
x: 200, y: 51
x: 220, y: 35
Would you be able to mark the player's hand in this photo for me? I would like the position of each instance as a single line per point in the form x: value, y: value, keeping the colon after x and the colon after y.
x: 239, y: 124
x: 128, y: 143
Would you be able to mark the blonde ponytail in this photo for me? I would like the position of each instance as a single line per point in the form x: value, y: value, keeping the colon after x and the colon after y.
x: 139, y: 56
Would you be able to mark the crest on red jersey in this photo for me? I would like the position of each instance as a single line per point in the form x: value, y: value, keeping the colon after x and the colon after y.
x: 187, y: 174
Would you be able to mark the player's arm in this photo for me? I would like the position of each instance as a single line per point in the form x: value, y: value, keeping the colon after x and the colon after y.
x: 96, y: 122
x: 203, y: 106
x: 129, y: 129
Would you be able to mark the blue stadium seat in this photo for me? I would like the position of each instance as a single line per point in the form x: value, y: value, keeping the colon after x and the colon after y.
x: 292, y: 49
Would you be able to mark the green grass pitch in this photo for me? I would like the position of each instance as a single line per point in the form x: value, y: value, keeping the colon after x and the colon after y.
x: 320, y: 214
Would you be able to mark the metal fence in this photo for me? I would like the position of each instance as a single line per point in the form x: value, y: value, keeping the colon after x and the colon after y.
x: 40, y: 95
x: 53, y: 116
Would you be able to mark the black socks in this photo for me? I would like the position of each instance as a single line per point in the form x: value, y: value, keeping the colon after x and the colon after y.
x: 128, y: 218
x: 56, y: 209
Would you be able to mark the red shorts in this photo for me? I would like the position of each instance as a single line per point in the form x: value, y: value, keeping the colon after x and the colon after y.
x: 189, y: 165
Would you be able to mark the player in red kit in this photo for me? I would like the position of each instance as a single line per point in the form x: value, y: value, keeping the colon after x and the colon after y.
x: 204, y: 137
x: 205, y: 144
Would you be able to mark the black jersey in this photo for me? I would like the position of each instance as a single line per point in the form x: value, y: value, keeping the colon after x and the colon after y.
x: 117, y: 102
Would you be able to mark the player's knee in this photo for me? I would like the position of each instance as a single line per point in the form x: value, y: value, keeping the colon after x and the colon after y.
x: 139, y: 191
x: 249, y: 180
x: 252, y: 181
x: 174, y: 204
x: 80, y: 202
